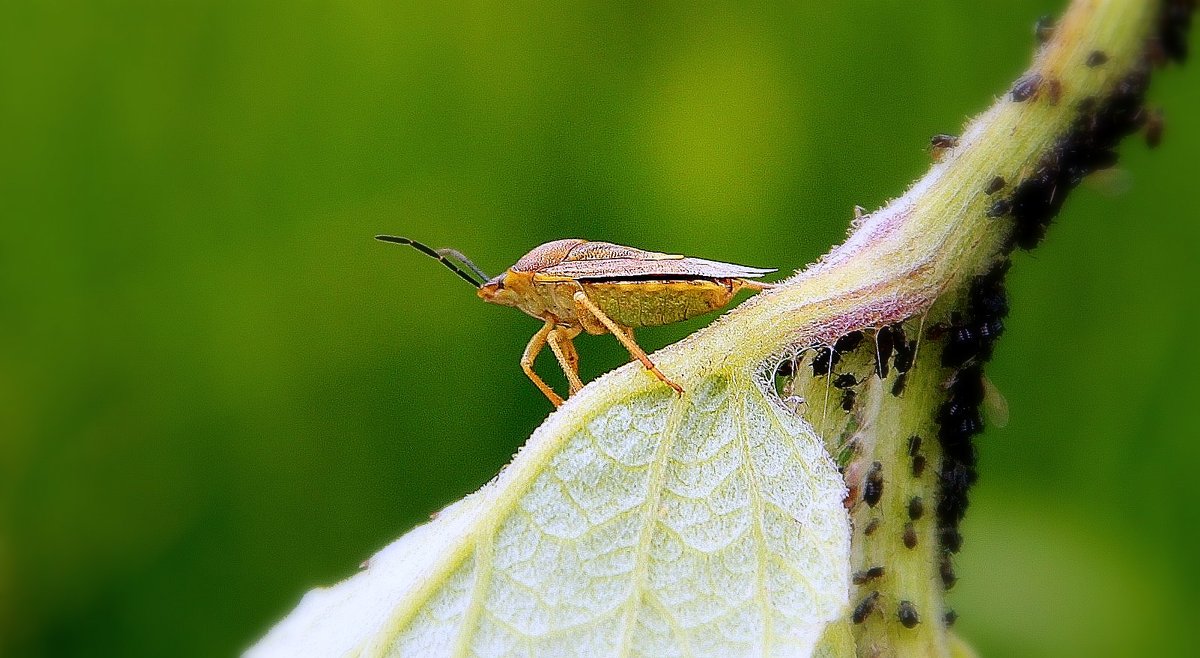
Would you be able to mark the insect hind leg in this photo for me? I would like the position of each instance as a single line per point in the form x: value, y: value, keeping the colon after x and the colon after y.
x: 625, y: 335
x: 756, y: 286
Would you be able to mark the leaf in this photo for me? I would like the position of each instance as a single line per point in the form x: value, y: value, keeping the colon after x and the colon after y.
x: 648, y: 524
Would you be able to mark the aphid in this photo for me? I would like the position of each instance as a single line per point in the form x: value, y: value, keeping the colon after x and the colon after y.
x: 991, y: 329
x: 907, y: 613
x: 1054, y: 89
x: 873, y: 489
x: 906, y: 351
x: 1026, y: 88
x: 1043, y: 29
x: 910, y: 535
x: 962, y: 346
x: 916, y: 508
x: 918, y: 465
x: 1154, y: 128
x: 950, y: 617
x: 845, y: 380
x: 951, y: 539
x: 848, y: 343
x: 898, y: 385
x: 941, y: 143
x: 599, y: 287
x: 871, y: 527
x: 946, y: 570
x: 848, y: 400
x: 999, y: 208
x: 865, y: 607
x: 824, y: 360
x: 918, y: 460
x: 883, y: 351
x: 995, y: 185
x: 1096, y: 58
x: 861, y: 577
x: 851, y: 496
x: 914, y: 445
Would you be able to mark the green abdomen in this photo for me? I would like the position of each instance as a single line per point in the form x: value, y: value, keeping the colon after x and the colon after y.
x: 654, y: 303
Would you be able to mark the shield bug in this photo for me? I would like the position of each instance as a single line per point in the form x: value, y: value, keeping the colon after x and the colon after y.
x: 577, y: 285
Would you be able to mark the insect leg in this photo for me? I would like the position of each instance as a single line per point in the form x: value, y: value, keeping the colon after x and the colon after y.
x: 564, y: 350
x: 756, y: 286
x: 624, y: 336
x: 531, y: 351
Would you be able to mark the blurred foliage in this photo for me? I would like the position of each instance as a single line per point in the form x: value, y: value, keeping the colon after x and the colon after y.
x: 216, y: 391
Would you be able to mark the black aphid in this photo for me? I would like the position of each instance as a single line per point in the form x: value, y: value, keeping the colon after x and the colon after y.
x: 883, y: 351
x: 1043, y: 29
x: 864, y: 608
x: 907, y: 614
x: 873, y: 489
x: 916, y: 508
x: 861, y: 577
x: 849, y: 342
x: 845, y: 380
x: 824, y: 360
x: 1026, y: 88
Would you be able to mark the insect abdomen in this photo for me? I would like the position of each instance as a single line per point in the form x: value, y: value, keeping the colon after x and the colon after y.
x: 654, y: 303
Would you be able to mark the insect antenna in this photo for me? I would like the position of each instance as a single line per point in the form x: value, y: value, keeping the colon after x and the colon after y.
x: 433, y: 254
x: 458, y: 256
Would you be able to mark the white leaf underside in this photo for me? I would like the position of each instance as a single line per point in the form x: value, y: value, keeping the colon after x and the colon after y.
x: 707, y: 525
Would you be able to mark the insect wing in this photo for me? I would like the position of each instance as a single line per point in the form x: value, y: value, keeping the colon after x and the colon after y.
x: 655, y: 267
x: 546, y: 255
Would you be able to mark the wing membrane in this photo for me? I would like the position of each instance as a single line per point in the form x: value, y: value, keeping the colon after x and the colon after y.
x: 660, y: 267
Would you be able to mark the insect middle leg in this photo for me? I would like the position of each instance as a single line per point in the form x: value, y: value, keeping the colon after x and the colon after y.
x: 563, y: 346
x: 625, y: 336
x: 531, y: 351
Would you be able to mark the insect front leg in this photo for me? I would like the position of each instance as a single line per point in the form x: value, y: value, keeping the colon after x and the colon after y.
x: 563, y: 346
x: 624, y: 335
x: 531, y: 351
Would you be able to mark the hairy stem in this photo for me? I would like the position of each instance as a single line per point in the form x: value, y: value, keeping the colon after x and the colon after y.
x: 894, y: 325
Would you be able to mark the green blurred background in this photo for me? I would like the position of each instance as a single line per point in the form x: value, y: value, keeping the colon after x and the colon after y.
x: 216, y: 391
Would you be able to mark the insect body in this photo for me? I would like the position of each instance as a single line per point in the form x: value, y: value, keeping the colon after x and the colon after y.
x: 576, y: 285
